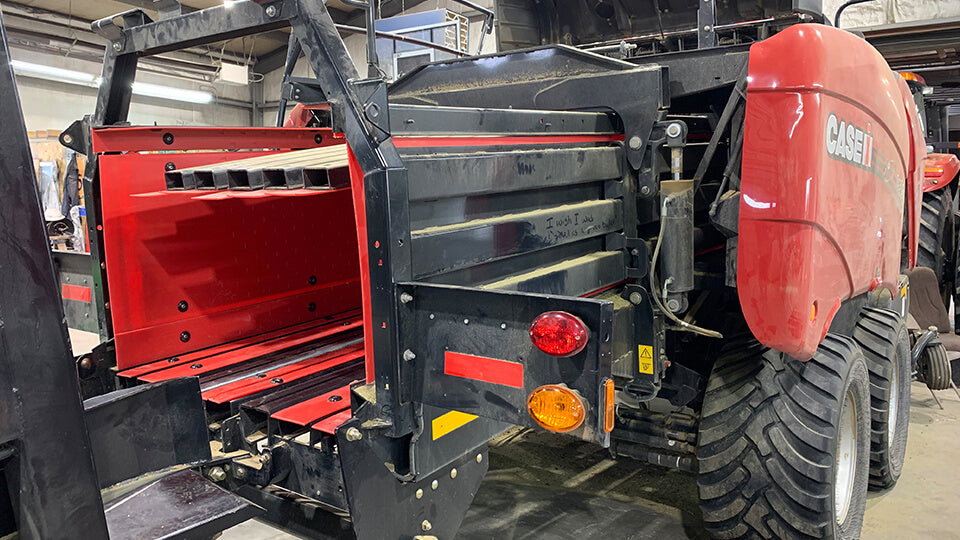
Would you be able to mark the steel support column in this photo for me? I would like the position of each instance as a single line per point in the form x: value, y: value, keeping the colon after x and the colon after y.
x: 51, y: 474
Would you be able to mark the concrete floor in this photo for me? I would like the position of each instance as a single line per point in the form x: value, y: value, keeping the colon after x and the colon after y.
x: 545, y: 486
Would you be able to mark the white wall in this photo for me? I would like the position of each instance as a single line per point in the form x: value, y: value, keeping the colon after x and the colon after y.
x: 891, y: 11
x: 55, y: 105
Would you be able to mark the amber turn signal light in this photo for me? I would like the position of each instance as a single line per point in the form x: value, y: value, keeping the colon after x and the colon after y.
x: 558, y: 333
x: 556, y: 408
x: 609, y: 407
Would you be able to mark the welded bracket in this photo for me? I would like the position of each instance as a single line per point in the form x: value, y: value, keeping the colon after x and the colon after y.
x: 372, y: 94
x: 706, y: 21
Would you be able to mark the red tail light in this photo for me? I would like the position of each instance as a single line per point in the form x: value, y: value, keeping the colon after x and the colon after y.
x: 558, y: 333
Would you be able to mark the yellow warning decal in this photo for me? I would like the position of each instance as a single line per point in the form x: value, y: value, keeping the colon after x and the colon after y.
x: 445, y: 423
x: 646, y: 359
x: 903, y: 291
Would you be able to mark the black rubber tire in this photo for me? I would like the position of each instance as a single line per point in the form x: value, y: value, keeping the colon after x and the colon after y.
x: 882, y: 336
x: 769, y: 437
x: 936, y: 244
x: 933, y: 368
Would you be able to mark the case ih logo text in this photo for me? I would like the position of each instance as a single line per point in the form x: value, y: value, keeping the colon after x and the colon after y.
x: 849, y: 143
x: 853, y: 145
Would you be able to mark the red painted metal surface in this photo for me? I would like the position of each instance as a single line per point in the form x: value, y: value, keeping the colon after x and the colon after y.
x: 239, y: 356
x: 244, y: 265
x: 831, y: 150
x: 75, y: 292
x: 360, y: 211
x: 330, y: 424
x: 311, y: 410
x: 286, y: 374
x: 481, y: 368
x: 266, y: 339
x: 151, y: 139
x: 939, y: 171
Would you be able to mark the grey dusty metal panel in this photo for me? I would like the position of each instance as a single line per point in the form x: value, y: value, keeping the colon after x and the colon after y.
x: 450, y: 175
x: 449, y: 247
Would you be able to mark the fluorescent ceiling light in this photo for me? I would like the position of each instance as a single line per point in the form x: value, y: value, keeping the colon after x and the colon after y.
x: 141, y: 89
x: 165, y: 92
x: 58, y: 73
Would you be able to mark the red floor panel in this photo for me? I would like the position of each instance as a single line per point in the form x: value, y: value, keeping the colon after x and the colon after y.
x: 262, y: 339
x: 239, y: 356
x: 331, y: 423
x: 314, y: 409
x: 254, y: 384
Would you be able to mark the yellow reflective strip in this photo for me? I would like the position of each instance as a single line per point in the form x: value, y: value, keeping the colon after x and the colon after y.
x: 445, y: 423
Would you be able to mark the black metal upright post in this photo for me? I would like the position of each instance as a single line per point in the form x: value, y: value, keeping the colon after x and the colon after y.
x: 50, y: 472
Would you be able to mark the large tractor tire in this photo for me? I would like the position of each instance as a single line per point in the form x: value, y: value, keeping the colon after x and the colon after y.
x: 883, y: 338
x: 784, y: 446
x: 936, y: 244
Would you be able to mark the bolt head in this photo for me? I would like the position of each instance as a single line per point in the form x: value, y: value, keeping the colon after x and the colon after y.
x: 419, y: 493
x: 453, y: 472
x: 217, y: 474
x: 636, y: 298
x: 408, y: 355
x: 353, y: 434
x: 645, y: 190
x: 503, y: 326
x: 674, y: 130
x: 673, y: 305
x: 434, y: 484
x: 479, y: 458
x: 406, y: 298
x: 271, y: 11
x: 466, y: 321
x: 635, y: 142
x: 426, y: 526
x: 117, y: 46
x: 67, y: 139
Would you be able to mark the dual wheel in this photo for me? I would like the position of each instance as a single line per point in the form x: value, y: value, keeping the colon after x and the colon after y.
x: 787, y: 449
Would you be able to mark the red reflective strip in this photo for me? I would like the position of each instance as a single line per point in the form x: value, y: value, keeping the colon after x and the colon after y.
x: 313, y: 409
x: 428, y: 142
x: 311, y: 366
x: 330, y: 424
x: 76, y: 292
x: 484, y: 369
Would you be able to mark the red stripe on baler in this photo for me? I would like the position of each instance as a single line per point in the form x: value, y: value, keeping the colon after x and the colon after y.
x: 484, y: 369
x: 314, y: 409
x: 76, y: 292
x: 434, y: 142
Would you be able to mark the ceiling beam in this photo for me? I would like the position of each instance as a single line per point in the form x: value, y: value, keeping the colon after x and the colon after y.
x: 172, y: 8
